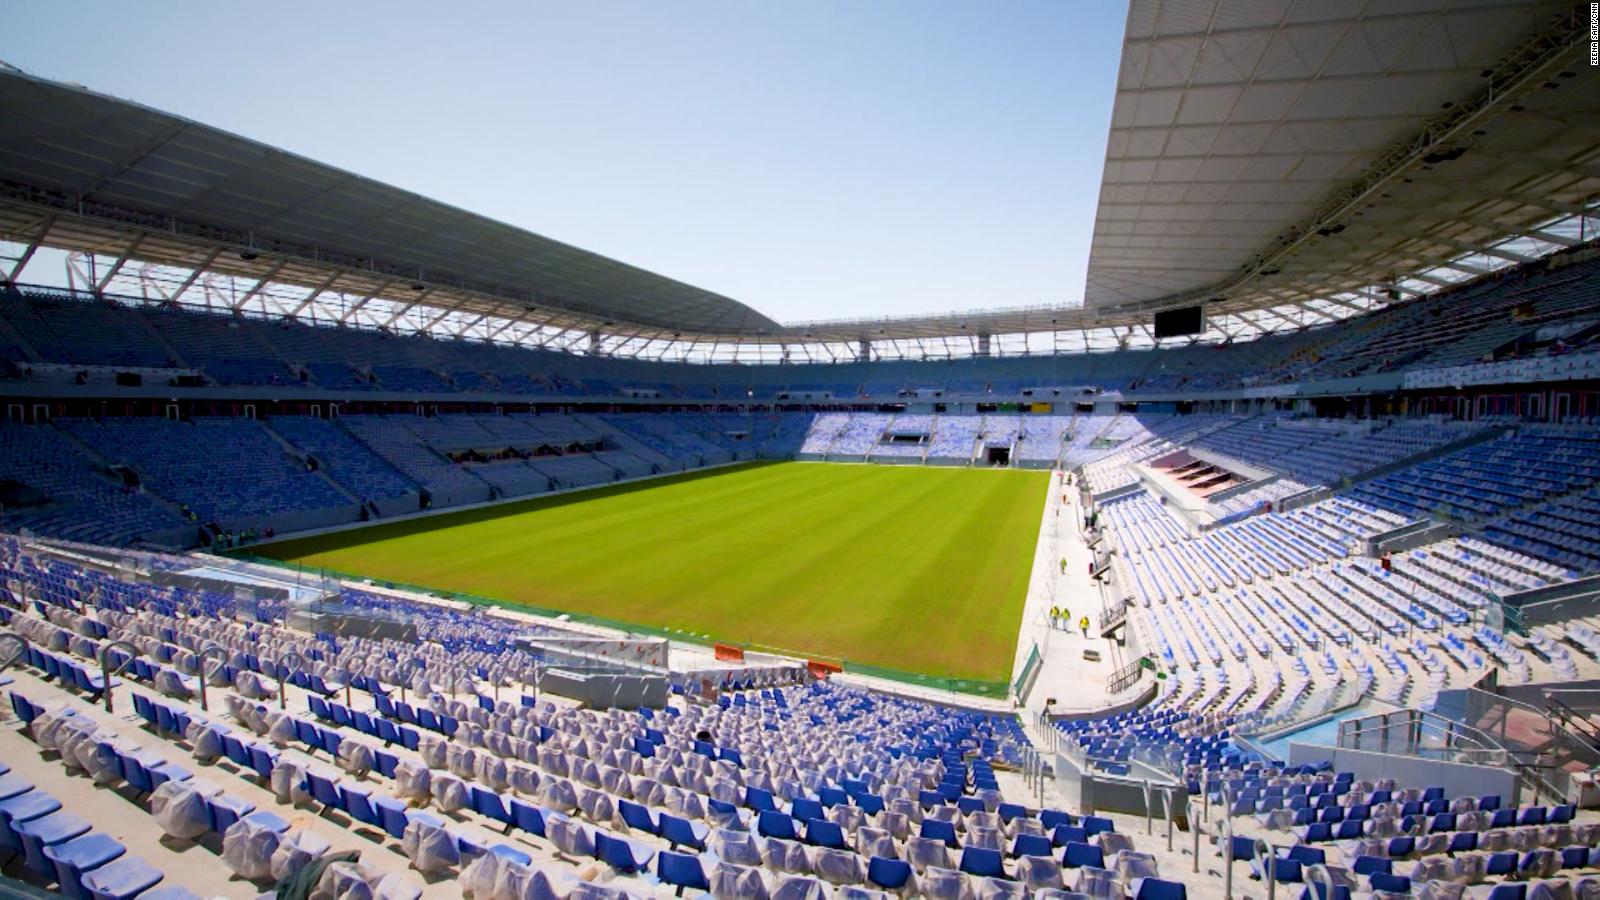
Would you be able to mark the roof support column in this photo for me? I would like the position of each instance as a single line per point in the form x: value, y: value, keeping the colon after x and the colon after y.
x: 864, y: 351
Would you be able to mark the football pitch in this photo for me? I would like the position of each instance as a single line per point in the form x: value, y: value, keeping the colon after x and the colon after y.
x: 918, y: 569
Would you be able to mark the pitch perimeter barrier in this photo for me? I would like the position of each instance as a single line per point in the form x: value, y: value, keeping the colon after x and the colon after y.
x: 978, y: 686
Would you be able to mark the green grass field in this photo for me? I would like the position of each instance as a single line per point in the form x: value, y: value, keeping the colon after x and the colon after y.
x: 918, y: 569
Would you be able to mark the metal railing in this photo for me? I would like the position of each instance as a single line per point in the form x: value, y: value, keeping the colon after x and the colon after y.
x: 129, y: 653
x: 1547, y: 751
x: 16, y: 655
x: 1419, y: 733
x: 1305, y: 708
x: 1125, y: 677
x: 1572, y: 720
x: 1426, y: 735
x: 212, y: 651
x: 1113, y: 616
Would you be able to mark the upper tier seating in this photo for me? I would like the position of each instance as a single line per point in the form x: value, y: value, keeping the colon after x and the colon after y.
x: 1494, y: 477
x: 1451, y: 332
x: 230, y: 349
x: 63, y: 329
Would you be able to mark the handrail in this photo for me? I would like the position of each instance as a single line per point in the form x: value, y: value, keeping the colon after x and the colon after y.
x: 1318, y: 874
x: 412, y: 667
x: 1487, y: 751
x: 1569, y: 717
x: 1121, y: 679
x: 106, y: 672
x: 1532, y: 774
x: 1118, y: 610
x: 22, y: 649
x: 1269, y: 856
x: 284, y: 665
x: 1590, y: 758
x: 1225, y: 832
x: 206, y: 654
x: 1483, y: 750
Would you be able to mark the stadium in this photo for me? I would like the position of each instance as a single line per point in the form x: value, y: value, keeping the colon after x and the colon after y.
x: 354, y: 544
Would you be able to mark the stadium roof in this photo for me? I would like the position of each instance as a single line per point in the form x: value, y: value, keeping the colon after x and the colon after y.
x: 1287, y: 162
x: 187, y: 189
x: 1294, y: 148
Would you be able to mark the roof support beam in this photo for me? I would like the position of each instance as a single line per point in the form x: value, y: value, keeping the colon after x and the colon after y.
x: 195, y: 273
x: 1551, y: 204
x: 1431, y: 279
x: 33, y: 246
x: 469, y: 326
x: 382, y: 286
x: 1552, y: 238
x: 318, y: 292
x: 260, y: 284
x: 102, y: 284
x: 498, y: 331
x: 407, y: 307
x: 1485, y: 250
x: 443, y: 313
x: 1320, y: 314
x: 1464, y: 266
x: 147, y: 284
x: 554, y: 335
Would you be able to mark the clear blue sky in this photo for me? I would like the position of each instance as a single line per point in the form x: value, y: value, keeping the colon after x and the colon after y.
x: 813, y: 158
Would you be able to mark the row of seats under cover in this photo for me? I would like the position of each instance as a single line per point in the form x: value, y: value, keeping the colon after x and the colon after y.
x: 61, y: 849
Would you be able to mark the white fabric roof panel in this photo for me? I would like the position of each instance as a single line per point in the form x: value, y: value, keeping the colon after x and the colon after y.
x: 1234, y: 121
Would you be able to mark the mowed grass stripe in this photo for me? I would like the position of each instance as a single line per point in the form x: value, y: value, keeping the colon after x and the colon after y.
x: 919, y: 569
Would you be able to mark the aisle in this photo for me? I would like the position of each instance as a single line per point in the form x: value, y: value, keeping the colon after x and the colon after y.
x: 1076, y: 684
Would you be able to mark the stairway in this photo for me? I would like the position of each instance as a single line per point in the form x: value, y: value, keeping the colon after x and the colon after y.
x: 105, y: 465
x: 155, y: 335
x: 300, y: 455
x: 15, y: 337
